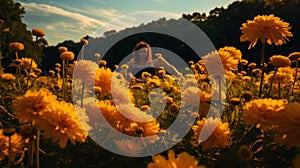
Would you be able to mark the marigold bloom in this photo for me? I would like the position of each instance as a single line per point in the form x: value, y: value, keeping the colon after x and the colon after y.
x: 62, y: 49
x: 38, y: 32
x: 7, y: 76
x: 289, y: 124
x: 235, y: 53
x: 267, y: 28
x: 85, y: 70
x: 62, y: 124
x: 294, y: 56
x: 252, y: 65
x: 190, y: 97
x: 218, y: 138
x: 97, y: 55
x: 102, y: 63
x: 16, y: 46
x: 3, y: 146
x: 120, y: 93
x: 103, y: 79
x: 16, y: 146
x: 110, y: 113
x: 84, y: 41
x: 31, y: 106
x: 216, y: 61
x: 182, y: 160
x: 284, y: 76
x: 67, y: 55
x: 244, y: 62
x: 264, y: 112
x: 25, y: 63
x: 280, y: 61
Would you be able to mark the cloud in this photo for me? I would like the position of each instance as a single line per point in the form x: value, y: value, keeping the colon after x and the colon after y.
x: 59, y: 24
x: 44, y: 9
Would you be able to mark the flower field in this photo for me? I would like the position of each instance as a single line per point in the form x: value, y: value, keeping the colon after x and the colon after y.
x: 52, y: 119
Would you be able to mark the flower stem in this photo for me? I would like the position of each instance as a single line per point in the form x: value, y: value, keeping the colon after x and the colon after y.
x: 38, y: 149
x: 269, y: 92
x: 296, y: 74
x: 82, y: 95
x: 262, y: 64
x: 63, y: 77
x: 9, y: 152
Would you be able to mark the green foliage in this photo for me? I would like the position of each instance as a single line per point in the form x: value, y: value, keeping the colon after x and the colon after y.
x: 12, y: 14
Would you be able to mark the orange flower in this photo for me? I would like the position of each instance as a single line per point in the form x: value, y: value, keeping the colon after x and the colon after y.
x: 218, y: 138
x: 31, y: 106
x: 267, y: 28
x: 183, y: 160
x: 280, y: 61
x: 38, y: 32
x: 25, y: 63
x: 7, y: 76
x: 103, y: 79
x: 218, y: 60
x: 288, y: 126
x: 235, y: 53
x: 16, y: 46
x: 62, y: 49
x: 67, y: 55
x: 63, y: 124
x: 16, y: 146
x: 264, y: 112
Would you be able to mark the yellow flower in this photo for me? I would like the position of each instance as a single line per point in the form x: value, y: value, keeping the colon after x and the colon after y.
x: 284, y: 76
x: 31, y: 106
x: 85, y: 70
x: 215, y: 61
x: 252, y: 65
x: 3, y: 146
x: 289, y: 124
x: 267, y: 28
x: 25, y: 63
x: 263, y: 112
x: 102, y: 63
x: 16, y: 46
x: 235, y: 53
x: 7, y: 76
x: 189, y: 96
x: 244, y: 62
x: 103, y: 79
x: 120, y: 93
x: 280, y: 61
x: 294, y: 56
x: 67, y: 55
x: 63, y: 124
x: 62, y: 49
x: 183, y: 160
x: 17, y: 145
x: 218, y: 138
x: 38, y: 32
x: 110, y: 113
x: 84, y: 41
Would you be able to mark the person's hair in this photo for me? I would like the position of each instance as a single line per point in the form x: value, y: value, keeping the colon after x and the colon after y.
x: 140, y: 45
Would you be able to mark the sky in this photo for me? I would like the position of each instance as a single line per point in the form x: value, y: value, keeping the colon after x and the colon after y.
x: 73, y: 19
